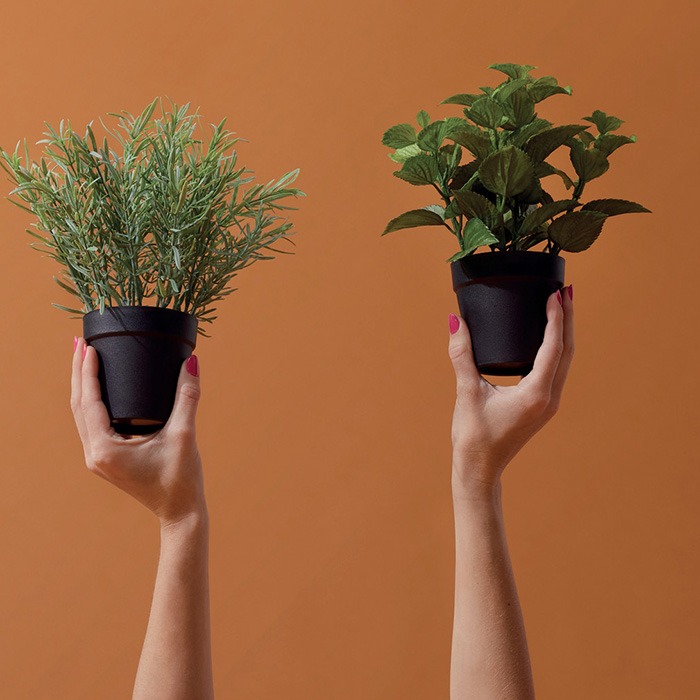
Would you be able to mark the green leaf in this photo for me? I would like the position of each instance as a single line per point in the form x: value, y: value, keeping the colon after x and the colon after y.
x: 431, y: 138
x: 476, y: 206
x: 69, y: 310
x: 414, y: 219
x: 545, y: 87
x: 401, y: 155
x: 532, y: 195
x: 476, y: 233
x: 423, y: 118
x: 419, y: 170
x: 461, y: 99
x: 538, y: 216
x: 577, y: 230
x: 588, y: 163
x: 607, y: 143
x: 520, y: 108
x: 546, y: 142
x: 507, y: 172
x: 513, y: 70
x: 544, y: 169
x: 505, y: 90
x: 68, y: 288
x: 473, y: 139
x: 399, y: 136
x: 463, y: 174
x: 459, y: 255
x: 613, y: 207
x: 486, y: 112
x: 524, y: 133
x: 603, y: 122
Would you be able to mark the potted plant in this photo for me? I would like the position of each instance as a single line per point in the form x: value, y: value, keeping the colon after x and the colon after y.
x: 496, y: 200
x: 149, y: 223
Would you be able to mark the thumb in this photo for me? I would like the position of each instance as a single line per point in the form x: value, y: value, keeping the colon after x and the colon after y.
x: 461, y: 354
x: 186, y: 398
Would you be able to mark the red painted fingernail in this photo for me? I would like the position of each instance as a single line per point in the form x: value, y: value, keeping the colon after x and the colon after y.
x: 192, y: 365
x: 571, y: 292
x: 75, y: 342
x: 454, y: 324
x: 559, y: 299
x: 85, y: 347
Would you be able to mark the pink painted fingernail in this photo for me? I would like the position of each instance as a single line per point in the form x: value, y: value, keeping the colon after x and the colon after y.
x: 192, y: 365
x: 75, y: 342
x: 559, y: 299
x: 85, y: 347
x: 454, y: 324
x: 571, y: 292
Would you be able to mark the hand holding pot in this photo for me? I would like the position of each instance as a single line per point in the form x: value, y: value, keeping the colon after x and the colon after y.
x: 492, y: 423
x: 162, y: 470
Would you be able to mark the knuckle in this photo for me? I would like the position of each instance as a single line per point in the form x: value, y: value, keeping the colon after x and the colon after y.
x: 100, y: 459
x: 551, y: 409
x: 458, y: 350
x: 74, y: 404
x: 191, y: 391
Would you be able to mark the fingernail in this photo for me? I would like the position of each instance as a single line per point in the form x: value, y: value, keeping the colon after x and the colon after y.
x: 454, y: 324
x: 559, y: 299
x: 192, y: 365
x: 571, y: 292
x: 85, y: 347
x: 75, y: 342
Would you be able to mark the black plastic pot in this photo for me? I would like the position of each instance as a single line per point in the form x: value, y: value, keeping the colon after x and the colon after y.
x: 502, y: 297
x: 141, y: 351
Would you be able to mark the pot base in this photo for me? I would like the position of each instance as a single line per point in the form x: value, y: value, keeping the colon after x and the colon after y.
x: 506, y: 369
x: 136, y: 426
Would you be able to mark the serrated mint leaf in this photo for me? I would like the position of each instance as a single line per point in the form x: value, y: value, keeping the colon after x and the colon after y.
x: 414, y: 219
x: 423, y: 118
x: 401, y: 155
x: 476, y: 233
x: 577, y: 230
x: 507, y: 172
x: 603, y: 122
x: 399, y: 136
x: 614, y: 207
x: 419, y: 170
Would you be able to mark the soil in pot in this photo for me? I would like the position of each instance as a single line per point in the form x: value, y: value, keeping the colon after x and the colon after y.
x: 141, y: 350
x: 503, y: 297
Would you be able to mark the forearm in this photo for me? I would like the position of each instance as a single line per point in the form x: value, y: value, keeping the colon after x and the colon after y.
x: 490, y: 660
x: 176, y: 657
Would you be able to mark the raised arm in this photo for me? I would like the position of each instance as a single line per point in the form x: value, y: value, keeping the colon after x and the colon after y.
x: 490, y: 659
x: 164, y: 472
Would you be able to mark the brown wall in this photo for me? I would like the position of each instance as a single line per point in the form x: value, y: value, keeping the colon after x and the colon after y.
x: 327, y: 390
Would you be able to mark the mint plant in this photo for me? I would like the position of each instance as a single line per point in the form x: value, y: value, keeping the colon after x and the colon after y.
x: 154, y: 211
x: 496, y: 198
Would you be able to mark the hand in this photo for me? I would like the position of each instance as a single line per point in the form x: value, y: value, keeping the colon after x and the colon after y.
x: 162, y: 470
x: 492, y: 423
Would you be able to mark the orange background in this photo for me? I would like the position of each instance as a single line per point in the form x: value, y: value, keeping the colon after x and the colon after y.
x: 327, y: 390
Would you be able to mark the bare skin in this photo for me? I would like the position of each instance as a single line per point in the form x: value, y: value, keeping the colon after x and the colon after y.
x: 162, y: 471
x: 490, y: 659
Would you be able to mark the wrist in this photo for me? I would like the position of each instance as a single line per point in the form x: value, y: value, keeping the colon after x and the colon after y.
x: 475, y: 478
x: 193, y: 520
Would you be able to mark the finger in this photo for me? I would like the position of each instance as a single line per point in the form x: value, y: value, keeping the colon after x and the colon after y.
x: 76, y: 392
x: 93, y: 409
x: 182, y: 418
x: 548, y: 356
x: 461, y: 353
x: 568, y: 349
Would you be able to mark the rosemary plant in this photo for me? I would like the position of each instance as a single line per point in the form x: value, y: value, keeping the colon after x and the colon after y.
x: 150, y: 212
x: 496, y: 199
